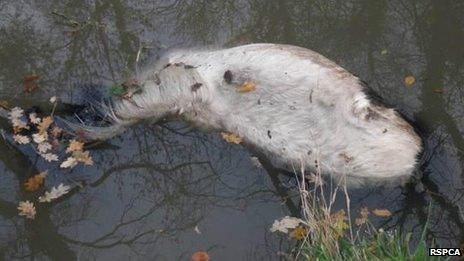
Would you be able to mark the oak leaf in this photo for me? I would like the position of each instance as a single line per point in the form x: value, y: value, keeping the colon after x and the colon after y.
x: 34, y: 182
x: 231, y: 138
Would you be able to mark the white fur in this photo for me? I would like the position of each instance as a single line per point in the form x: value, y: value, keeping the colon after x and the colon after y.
x: 305, y: 109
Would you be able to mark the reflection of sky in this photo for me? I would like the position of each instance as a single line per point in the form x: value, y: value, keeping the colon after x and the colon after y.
x: 219, y: 189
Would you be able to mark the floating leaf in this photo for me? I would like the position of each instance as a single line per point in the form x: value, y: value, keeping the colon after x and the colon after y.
x: 45, y: 124
x: 364, y: 213
x: 384, y: 52
x: 39, y: 138
x: 16, y: 113
x: 53, y: 99
x: 231, y: 138
x: 69, y: 163
x: 56, y: 132
x: 83, y: 156
x: 34, y: 119
x: 285, y: 224
x: 381, y: 212
x: 27, y: 209
x: 34, y: 182
x: 55, y: 193
x: 21, y: 139
x: 246, y: 87
x: 409, y: 80
x: 75, y: 145
x: 30, y: 82
x: 49, y: 157
x: 200, y: 256
x: 44, y: 147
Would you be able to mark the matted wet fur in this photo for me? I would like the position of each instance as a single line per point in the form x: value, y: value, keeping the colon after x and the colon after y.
x: 306, y: 110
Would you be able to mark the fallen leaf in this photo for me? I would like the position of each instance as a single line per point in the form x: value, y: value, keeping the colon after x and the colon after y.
x: 44, y: 147
x: 16, y: 113
x: 246, y: 87
x: 39, y: 138
x: 75, y: 145
x: 30, y: 82
x: 231, y: 138
x: 409, y: 80
x: 200, y: 256
x: 438, y: 91
x: 69, y: 163
x: 27, y: 209
x: 34, y: 119
x: 34, y: 182
x: 286, y: 223
x: 55, y: 193
x: 21, y: 139
x: 364, y: 213
x: 381, y: 212
x: 45, y: 124
x: 53, y: 99
x: 49, y: 157
x: 56, y: 132
x: 83, y: 156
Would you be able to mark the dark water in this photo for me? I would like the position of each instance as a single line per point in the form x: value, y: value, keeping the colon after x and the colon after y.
x: 150, y: 187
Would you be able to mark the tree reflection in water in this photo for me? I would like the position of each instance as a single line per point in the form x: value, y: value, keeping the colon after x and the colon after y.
x: 150, y: 187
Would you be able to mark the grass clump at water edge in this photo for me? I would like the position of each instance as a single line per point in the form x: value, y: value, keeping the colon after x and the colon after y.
x: 321, y: 234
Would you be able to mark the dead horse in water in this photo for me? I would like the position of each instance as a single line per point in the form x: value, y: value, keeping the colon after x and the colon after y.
x: 300, y: 109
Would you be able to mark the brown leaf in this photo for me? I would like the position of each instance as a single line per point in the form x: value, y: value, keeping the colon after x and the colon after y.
x: 364, y: 213
x: 56, y: 132
x: 200, y: 256
x: 409, y: 80
x: 381, y: 212
x: 30, y: 82
x: 75, y: 145
x: 231, y: 138
x: 83, y: 156
x: 438, y: 91
x: 246, y: 87
x: 34, y: 182
x: 45, y: 124
x: 4, y: 104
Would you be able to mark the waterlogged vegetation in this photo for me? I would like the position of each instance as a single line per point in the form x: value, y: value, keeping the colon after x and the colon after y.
x: 167, y: 191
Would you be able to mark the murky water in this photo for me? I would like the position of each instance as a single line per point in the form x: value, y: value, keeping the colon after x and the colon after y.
x: 151, y: 187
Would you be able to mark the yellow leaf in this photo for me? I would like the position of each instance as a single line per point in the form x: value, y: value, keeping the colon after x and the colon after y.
x: 34, y: 182
x: 44, y: 125
x: 299, y: 233
x: 246, y: 87
x: 409, y: 80
x: 83, y: 156
x: 231, y: 138
x: 75, y: 145
x: 381, y: 212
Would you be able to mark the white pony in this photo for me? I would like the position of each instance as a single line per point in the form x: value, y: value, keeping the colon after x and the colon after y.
x: 304, y: 109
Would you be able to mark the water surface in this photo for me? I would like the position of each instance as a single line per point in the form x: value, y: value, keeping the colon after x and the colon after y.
x: 150, y: 187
